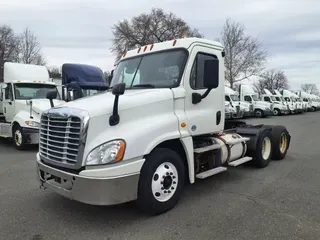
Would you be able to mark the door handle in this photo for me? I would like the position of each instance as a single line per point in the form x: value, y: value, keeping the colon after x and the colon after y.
x: 10, y: 103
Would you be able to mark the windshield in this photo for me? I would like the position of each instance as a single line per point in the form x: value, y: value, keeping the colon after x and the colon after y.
x: 26, y: 91
x: 278, y: 99
x: 273, y: 98
x: 255, y: 98
x: 235, y: 97
x: 287, y: 99
x: 160, y: 70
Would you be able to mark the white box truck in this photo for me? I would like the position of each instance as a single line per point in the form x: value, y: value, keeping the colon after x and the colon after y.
x: 23, y: 98
x: 148, y: 135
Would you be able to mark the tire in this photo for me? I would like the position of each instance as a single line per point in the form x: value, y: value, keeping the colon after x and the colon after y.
x: 18, y: 137
x: 279, y: 148
x: 154, y: 195
x: 313, y: 109
x: 258, y: 113
x: 276, y: 112
x: 262, y: 157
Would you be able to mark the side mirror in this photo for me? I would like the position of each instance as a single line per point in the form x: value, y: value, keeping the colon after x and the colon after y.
x: 11, y: 97
x: 210, y: 79
x: 118, y: 89
x: 211, y: 73
x: 52, y: 95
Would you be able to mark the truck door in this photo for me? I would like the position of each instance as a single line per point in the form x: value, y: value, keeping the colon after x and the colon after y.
x: 207, y: 116
x: 8, y: 103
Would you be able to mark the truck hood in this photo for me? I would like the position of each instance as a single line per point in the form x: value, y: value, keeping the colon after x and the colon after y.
x: 40, y: 105
x: 99, y: 104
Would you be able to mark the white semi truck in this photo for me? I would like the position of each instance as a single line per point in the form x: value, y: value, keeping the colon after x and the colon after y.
x: 144, y: 139
x: 242, y: 109
x: 23, y: 98
x: 260, y: 108
x: 287, y: 97
x: 278, y: 107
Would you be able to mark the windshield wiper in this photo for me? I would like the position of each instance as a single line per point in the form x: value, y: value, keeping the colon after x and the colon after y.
x: 147, y: 85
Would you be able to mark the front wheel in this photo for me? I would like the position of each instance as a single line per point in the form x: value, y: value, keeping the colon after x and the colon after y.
x: 161, y: 181
x: 18, y: 137
x: 258, y: 113
x: 276, y: 112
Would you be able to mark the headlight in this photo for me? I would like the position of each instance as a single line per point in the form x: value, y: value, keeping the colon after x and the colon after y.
x: 32, y: 124
x: 108, y: 152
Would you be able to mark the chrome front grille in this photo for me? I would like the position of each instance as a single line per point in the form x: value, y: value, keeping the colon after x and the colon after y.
x: 60, y: 138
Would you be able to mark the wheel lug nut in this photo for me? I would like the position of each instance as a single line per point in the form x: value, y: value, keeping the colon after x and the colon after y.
x: 174, y: 182
x: 165, y: 191
x: 162, y: 188
x: 174, y: 177
x: 167, y: 173
x: 172, y: 188
x: 171, y: 173
x: 169, y: 191
x: 161, y: 182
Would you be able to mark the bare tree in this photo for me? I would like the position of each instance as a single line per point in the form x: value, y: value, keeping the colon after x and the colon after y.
x: 310, y: 88
x: 148, y: 28
x: 9, y: 47
x: 54, y: 73
x: 30, y: 49
x: 245, y: 56
x: 271, y: 79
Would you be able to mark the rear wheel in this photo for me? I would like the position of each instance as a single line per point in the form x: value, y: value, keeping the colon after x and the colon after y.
x: 280, y: 141
x: 161, y: 181
x: 263, y: 150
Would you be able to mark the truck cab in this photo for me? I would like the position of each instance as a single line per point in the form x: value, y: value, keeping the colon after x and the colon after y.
x: 260, y: 108
x: 315, y: 101
x: 81, y: 80
x: 23, y: 98
x: 242, y: 109
x: 300, y: 106
x: 161, y: 124
x: 287, y: 97
x: 278, y: 107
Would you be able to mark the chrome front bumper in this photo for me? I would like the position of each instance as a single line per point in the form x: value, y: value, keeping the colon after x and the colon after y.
x: 90, y: 190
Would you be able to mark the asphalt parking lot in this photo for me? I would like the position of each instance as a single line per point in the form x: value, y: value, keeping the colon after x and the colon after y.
x: 277, y: 202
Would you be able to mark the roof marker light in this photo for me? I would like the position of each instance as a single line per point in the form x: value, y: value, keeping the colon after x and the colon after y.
x: 145, y: 48
x: 174, y: 42
x: 151, y: 47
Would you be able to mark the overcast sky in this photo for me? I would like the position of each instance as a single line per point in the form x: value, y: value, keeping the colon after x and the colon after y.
x: 80, y: 30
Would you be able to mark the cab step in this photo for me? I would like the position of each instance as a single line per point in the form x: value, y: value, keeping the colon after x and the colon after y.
x: 211, y: 172
x: 239, y: 161
x: 207, y: 148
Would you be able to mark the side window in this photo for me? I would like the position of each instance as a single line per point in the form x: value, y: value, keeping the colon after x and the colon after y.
x: 227, y: 98
x: 247, y: 98
x: 267, y: 99
x: 196, y: 76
